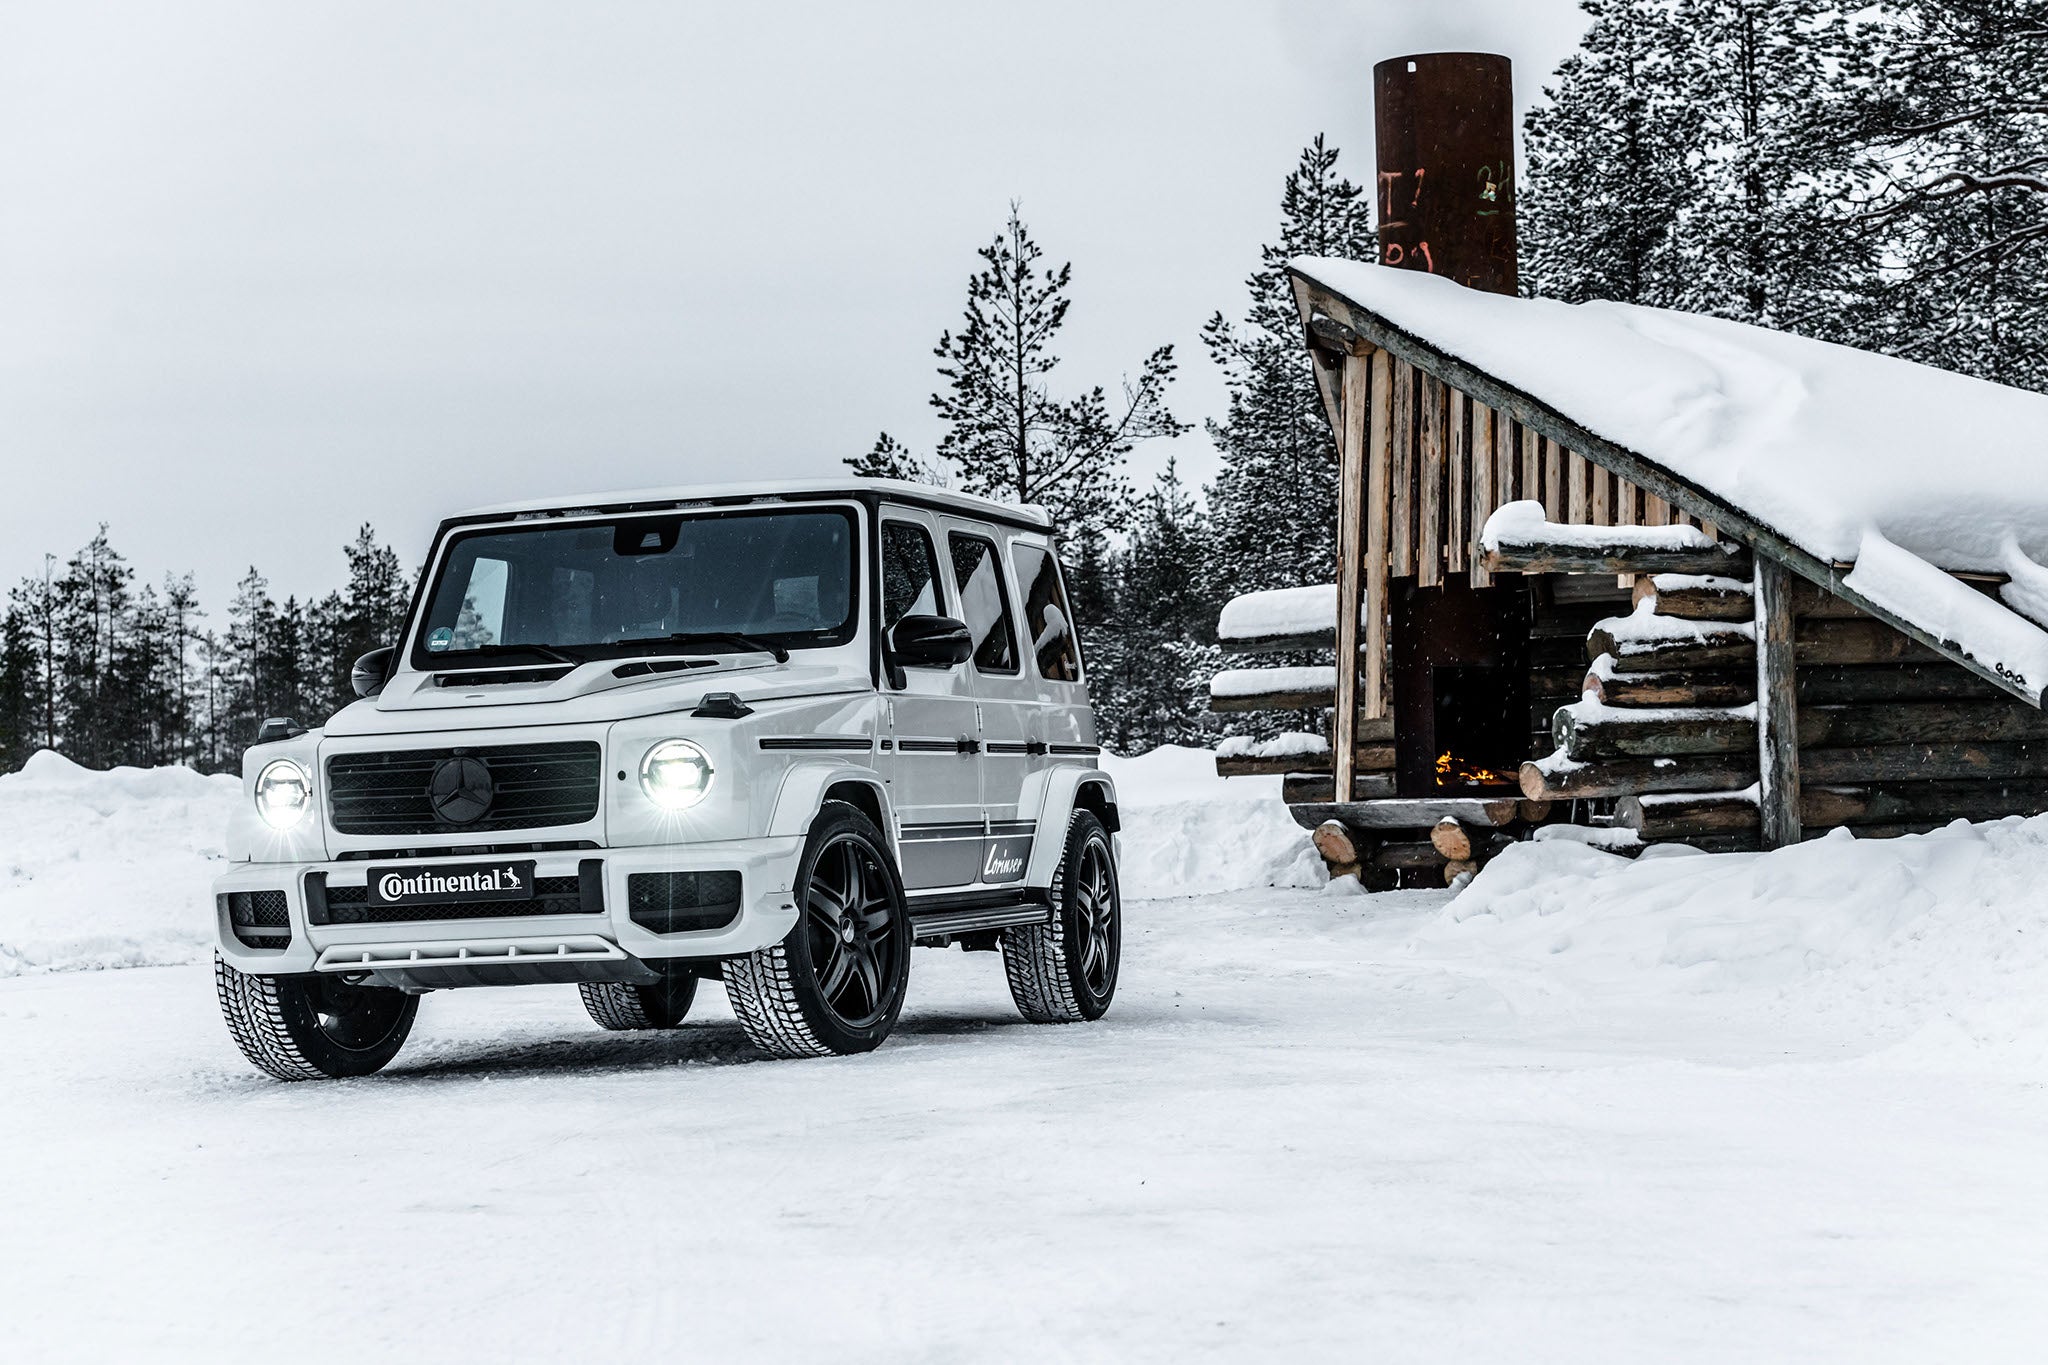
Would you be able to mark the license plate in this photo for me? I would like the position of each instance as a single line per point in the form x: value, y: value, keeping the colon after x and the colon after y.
x: 446, y: 884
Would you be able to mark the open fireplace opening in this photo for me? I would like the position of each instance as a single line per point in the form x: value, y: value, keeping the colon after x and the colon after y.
x: 1482, y: 728
x: 1461, y: 688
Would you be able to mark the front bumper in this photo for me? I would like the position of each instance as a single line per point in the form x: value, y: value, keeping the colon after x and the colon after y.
x: 767, y: 911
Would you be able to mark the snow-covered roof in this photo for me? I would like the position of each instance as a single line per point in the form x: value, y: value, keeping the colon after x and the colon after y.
x: 1908, y: 472
x: 925, y: 494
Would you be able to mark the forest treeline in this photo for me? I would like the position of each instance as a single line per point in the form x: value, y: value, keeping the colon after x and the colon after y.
x: 110, y: 670
x: 1875, y: 175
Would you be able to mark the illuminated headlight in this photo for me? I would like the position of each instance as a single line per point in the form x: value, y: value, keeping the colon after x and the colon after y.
x: 283, y: 794
x: 675, y: 774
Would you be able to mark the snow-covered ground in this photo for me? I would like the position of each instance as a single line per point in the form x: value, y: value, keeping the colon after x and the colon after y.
x: 1776, y: 1107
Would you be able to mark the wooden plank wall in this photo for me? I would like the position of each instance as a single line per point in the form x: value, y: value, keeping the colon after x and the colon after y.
x: 1451, y: 461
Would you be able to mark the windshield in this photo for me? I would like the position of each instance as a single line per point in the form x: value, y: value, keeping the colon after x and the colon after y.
x: 681, y: 583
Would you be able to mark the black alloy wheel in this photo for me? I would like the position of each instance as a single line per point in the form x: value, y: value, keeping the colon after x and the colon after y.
x: 313, y: 1026
x: 834, y: 984
x: 1065, y: 971
x: 854, y: 932
x: 1096, y: 919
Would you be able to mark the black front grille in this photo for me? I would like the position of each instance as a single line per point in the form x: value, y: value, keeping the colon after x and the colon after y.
x: 533, y: 786
x: 579, y: 895
x: 678, y: 902
x: 260, y: 919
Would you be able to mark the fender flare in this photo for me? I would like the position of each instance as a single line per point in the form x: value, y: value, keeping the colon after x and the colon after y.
x: 1056, y: 811
x: 803, y: 791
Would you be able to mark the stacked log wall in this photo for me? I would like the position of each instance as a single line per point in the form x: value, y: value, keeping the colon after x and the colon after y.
x: 1891, y: 737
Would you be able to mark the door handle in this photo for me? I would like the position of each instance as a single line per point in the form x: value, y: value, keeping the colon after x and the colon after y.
x: 967, y: 746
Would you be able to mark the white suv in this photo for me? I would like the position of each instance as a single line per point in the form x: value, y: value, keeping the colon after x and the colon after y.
x: 774, y: 735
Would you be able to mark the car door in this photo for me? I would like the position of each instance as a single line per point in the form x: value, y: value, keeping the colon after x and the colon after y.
x: 929, y: 722
x: 1062, y: 723
x: 1004, y: 692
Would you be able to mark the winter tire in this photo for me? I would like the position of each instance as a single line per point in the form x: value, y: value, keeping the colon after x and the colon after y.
x: 620, y: 1008
x: 1064, y: 972
x: 314, y: 1027
x: 834, y: 984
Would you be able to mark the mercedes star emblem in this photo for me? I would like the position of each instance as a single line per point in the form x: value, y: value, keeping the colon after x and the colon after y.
x: 460, y: 790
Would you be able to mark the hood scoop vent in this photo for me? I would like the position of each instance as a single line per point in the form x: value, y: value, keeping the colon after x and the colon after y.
x: 640, y: 668
x: 497, y: 676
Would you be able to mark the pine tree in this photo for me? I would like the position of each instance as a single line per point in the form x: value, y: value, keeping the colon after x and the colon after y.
x: 1007, y: 435
x: 19, y: 677
x: 1947, y: 108
x: 1273, y: 507
x: 1611, y: 168
x: 1156, y: 662
x: 92, y: 605
x: 889, y: 458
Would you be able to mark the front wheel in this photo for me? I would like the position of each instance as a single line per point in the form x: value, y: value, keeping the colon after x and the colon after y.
x: 1064, y: 972
x: 834, y: 984
x: 620, y: 1008
x: 314, y: 1027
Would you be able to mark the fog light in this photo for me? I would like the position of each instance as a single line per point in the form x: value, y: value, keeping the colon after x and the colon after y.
x: 675, y: 774
x: 282, y: 794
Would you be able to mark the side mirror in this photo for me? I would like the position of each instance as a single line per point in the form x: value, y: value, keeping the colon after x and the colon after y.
x: 371, y: 672
x: 930, y: 642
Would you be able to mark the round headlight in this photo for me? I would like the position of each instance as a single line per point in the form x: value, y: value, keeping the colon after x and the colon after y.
x: 675, y: 774
x: 283, y: 794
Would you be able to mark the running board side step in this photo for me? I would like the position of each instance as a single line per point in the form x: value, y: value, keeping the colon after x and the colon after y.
x: 947, y: 921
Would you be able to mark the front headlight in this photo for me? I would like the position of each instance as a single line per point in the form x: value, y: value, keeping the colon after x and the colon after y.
x: 675, y: 774
x: 283, y: 794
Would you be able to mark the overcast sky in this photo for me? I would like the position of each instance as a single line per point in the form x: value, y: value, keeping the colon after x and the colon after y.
x: 269, y: 270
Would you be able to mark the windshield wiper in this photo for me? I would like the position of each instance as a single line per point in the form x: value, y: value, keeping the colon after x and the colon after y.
x: 554, y: 654
x: 684, y: 639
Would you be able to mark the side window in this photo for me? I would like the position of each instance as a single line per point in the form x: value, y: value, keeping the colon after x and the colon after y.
x: 1048, y: 625
x: 984, y: 602
x: 910, y: 573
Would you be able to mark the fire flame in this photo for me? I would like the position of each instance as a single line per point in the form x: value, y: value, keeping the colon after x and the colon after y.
x: 1453, y: 772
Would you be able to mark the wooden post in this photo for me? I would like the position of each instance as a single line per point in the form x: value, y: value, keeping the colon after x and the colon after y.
x: 1532, y: 467
x: 1777, y: 714
x: 1379, y: 477
x: 1483, y: 501
x: 1403, y: 544
x: 1350, y: 538
x: 1429, y: 475
x: 1459, y: 473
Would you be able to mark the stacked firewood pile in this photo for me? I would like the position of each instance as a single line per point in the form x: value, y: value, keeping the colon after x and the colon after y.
x: 1892, y: 738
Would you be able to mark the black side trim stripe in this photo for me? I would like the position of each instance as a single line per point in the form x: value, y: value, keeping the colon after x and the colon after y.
x: 928, y: 746
x: 927, y: 833
x: 1077, y: 748
x: 1000, y: 746
x: 836, y: 743
x: 1011, y: 828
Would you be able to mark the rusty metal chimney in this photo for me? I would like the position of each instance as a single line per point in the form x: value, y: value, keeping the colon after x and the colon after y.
x: 1446, y: 144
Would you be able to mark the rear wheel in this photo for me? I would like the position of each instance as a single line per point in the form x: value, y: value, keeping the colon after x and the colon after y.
x: 620, y: 1007
x: 1065, y: 972
x: 313, y: 1027
x: 835, y: 983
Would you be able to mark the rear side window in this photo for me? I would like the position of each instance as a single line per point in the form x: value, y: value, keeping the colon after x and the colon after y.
x: 910, y: 573
x: 984, y: 602
x: 1048, y: 625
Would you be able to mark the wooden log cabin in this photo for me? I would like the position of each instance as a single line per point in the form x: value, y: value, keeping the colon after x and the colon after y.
x: 1632, y: 577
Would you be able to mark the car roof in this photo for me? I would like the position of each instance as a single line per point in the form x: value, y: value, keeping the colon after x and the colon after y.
x: 1026, y: 516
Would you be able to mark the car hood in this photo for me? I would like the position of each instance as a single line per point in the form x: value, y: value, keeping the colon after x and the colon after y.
x: 415, y: 703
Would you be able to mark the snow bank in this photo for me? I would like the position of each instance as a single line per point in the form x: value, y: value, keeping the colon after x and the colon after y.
x: 1290, y: 744
x: 107, y: 869
x: 1188, y: 832
x: 1254, y: 682
x: 1279, y: 611
x: 1524, y: 523
x: 1939, y: 941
